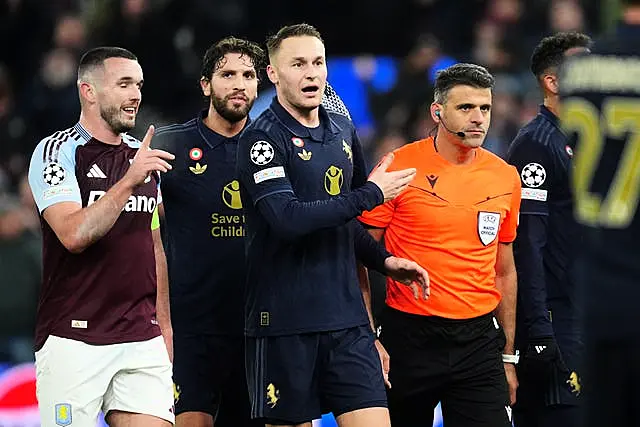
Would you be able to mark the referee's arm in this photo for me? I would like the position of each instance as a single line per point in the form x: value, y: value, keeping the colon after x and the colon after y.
x: 506, y: 283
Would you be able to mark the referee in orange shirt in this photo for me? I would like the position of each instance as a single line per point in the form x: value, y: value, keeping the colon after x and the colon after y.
x: 458, y: 219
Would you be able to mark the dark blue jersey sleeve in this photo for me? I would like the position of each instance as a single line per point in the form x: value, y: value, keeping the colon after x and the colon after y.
x: 291, y: 218
x: 537, y: 172
x: 532, y: 290
x: 368, y: 251
x: 261, y: 165
x: 536, y: 169
x: 371, y: 253
x: 360, y: 172
x: 262, y: 169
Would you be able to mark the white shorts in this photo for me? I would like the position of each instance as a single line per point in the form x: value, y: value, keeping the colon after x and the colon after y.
x: 75, y: 381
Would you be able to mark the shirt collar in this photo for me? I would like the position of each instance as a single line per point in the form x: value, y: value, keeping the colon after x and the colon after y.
x: 212, y: 138
x: 297, y: 128
x: 549, y: 115
x: 82, y: 131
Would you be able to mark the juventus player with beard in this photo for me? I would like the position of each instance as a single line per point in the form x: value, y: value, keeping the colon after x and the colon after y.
x: 102, y: 306
x: 203, y: 232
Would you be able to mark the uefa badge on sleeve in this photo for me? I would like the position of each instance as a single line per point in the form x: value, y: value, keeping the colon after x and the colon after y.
x: 261, y: 153
x: 53, y: 174
x: 533, y: 175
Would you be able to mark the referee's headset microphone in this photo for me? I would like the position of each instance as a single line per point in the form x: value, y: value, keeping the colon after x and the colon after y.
x: 458, y: 134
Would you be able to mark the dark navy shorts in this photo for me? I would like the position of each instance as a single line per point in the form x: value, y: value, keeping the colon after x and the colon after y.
x: 209, y: 377
x: 296, y: 378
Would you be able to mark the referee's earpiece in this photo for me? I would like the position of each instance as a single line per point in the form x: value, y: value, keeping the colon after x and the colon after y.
x: 437, y: 113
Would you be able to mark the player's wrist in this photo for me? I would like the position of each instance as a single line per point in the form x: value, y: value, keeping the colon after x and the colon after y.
x: 511, y: 358
x: 127, y: 182
x: 376, y: 195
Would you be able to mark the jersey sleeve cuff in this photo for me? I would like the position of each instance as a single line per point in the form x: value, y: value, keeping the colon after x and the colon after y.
x: 270, y: 193
x: 376, y: 192
x: 371, y: 222
x: 57, y: 198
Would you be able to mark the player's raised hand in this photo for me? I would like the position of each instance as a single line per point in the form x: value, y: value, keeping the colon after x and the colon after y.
x: 408, y: 273
x: 148, y: 160
x: 391, y: 183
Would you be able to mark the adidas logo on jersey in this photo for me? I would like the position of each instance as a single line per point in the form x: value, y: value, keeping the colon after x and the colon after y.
x: 96, y: 172
x: 540, y: 348
x: 135, y: 203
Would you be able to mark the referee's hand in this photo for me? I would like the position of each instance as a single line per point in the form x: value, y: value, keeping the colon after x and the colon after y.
x: 391, y: 183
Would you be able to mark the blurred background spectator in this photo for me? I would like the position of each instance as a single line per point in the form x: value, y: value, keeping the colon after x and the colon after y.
x: 382, y: 58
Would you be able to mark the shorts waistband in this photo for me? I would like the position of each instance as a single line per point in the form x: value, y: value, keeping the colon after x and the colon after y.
x: 441, y: 321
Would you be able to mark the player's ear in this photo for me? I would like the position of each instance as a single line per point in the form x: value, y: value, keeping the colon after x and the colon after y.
x: 272, y: 74
x: 550, y: 82
x: 205, y: 85
x: 87, y: 91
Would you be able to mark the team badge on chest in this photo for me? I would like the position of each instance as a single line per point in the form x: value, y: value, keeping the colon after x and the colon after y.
x: 195, y: 154
x: 488, y: 226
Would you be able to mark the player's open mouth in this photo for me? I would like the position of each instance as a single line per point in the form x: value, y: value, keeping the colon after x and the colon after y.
x: 130, y: 111
x: 311, y: 90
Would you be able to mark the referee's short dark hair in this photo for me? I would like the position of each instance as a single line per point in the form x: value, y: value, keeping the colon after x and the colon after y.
x: 550, y: 52
x: 297, y: 30
x: 96, y: 57
x: 461, y: 74
x: 215, y: 54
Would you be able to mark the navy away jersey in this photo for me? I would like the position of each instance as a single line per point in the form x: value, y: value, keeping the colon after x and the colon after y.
x: 203, y: 229
x: 298, y: 283
x: 548, y: 237
x: 601, y: 113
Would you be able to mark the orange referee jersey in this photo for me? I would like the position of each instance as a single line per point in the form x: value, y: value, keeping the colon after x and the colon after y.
x: 450, y: 221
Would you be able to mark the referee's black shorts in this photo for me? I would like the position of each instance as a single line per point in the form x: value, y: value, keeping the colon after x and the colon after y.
x: 455, y: 362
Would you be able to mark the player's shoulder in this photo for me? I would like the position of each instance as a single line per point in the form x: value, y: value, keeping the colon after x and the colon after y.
x: 266, y: 126
x: 165, y: 137
x: 62, y: 143
x: 536, y: 136
x: 538, y: 131
x: 177, y: 129
x: 341, y: 120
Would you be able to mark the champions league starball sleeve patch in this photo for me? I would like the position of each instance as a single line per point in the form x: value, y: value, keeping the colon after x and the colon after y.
x: 53, y: 174
x: 261, y: 153
x: 533, y: 175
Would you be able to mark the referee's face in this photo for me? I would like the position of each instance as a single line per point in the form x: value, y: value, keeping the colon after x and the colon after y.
x: 300, y: 71
x: 468, y: 109
x: 120, y: 93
